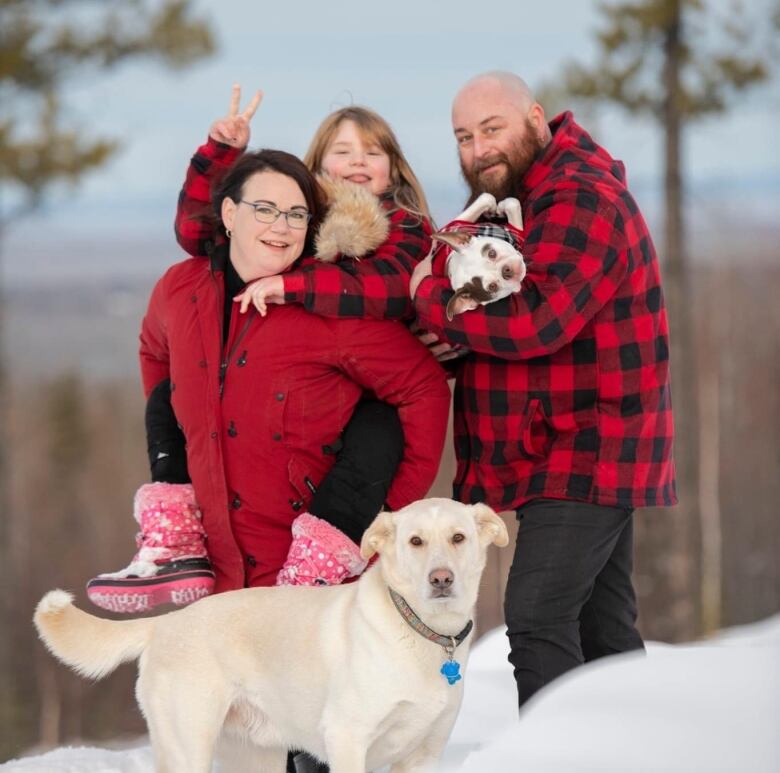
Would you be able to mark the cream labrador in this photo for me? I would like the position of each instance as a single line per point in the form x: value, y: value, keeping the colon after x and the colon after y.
x: 359, y: 675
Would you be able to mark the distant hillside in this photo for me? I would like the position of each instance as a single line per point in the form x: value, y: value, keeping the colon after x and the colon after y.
x: 91, y: 329
x: 78, y: 303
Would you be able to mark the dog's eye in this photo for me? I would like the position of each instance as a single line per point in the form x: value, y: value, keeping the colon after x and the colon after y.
x: 493, y: 287
x: 492, y: 254
x: 458, y: 537
x: 416, y: 541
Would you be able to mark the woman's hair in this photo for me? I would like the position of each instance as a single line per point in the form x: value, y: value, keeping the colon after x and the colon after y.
x: 404, y: 187
x: 279, y: 161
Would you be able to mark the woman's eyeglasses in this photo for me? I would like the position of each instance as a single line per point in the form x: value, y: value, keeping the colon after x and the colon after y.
x: 267, y: 213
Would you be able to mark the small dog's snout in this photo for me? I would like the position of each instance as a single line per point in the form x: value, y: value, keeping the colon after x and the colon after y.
x: 441, y: 578
x: 514, y: 271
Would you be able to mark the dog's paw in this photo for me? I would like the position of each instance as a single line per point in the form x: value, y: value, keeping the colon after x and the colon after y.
x: 487, y: 203
x: 511, y: 210
x: 506, y: 205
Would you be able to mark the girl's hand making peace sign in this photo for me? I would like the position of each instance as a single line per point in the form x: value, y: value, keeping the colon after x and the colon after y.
x: 233, y: 130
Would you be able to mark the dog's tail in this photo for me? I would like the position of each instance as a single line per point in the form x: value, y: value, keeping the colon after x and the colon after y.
x: 89, y: 645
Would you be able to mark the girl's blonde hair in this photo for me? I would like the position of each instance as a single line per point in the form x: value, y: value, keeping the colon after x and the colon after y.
x: 404, y: 186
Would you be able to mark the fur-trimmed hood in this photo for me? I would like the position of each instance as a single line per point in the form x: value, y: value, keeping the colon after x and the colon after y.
x: 356, y: 222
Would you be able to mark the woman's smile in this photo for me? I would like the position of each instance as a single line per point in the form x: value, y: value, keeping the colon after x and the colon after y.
x: 259, y: 248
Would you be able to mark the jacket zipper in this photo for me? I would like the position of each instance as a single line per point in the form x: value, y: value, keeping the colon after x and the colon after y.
x: 228, y: 356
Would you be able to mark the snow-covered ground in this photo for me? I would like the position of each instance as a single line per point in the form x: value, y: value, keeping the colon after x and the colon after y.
x: 709, y: 707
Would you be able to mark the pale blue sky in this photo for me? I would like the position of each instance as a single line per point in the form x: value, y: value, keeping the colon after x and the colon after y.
x: 406, y: 60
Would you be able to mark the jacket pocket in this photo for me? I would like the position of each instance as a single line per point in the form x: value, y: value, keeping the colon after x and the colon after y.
x: 293, y: 416
x: 536, y: 434
x: 302, y: 485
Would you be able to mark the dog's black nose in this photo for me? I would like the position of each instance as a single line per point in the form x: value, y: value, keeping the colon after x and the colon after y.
x: 441, y: 578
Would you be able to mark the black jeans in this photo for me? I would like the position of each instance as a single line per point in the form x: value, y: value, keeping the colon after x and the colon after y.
x: 569, y: 597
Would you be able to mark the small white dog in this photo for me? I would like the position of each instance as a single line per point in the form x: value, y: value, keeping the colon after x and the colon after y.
x: 359, y: 675
x: 483, y: 268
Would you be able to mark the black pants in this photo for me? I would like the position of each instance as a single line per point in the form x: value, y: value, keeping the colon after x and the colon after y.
x: 569, y: 597
x: 355, y: 489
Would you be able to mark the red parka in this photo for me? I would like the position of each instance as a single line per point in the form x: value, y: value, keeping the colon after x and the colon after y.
x: 260, y: 413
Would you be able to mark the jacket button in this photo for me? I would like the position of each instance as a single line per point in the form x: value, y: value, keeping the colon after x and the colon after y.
x: 252, y: 561
x: 213, y: 435
x: 280, y: 395
x: 236, y: 503
x: 232, y: 431
x: 277, y: 436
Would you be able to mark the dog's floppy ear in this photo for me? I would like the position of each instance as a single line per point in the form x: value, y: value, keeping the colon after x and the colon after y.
x: 455, y: 239
x: 463, y: 300
x: 490, y: 527
x: 377, y: 535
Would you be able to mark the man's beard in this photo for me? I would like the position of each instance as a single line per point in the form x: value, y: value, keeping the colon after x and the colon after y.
x: 522, y: 153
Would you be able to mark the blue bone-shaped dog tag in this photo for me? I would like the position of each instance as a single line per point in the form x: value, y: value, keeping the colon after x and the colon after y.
x: 451, y: 671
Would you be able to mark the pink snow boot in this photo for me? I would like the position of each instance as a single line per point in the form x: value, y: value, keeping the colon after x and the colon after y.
x: 171, y: 565
x: 320, y: 554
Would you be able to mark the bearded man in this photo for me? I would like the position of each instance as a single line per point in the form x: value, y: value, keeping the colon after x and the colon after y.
x: 562, y: 406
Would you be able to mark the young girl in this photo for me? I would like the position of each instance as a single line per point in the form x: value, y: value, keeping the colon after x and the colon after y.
x: 342, y: 279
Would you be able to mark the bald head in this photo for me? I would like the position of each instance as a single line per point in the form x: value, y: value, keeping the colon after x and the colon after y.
x: 500, y: 129
x: 504, y: 86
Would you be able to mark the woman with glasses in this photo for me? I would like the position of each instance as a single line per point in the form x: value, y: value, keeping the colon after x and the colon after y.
x: 261, y: 401
x: 358, y: 267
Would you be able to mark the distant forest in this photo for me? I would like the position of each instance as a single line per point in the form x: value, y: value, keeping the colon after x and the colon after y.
x: 78, y: 454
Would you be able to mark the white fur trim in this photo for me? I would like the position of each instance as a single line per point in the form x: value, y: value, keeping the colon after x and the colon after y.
x: 352, y: 559
x: 142, y: 565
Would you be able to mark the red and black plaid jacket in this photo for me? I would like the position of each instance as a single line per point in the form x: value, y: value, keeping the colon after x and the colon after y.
x: 566, y: 391
x: 375, y: 287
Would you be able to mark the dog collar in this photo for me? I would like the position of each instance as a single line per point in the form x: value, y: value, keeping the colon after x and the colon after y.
x: 504, y: 231
x: 451, y: 668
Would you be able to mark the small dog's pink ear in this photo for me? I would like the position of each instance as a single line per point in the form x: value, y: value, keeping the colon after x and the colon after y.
x: 455, y: 239
x: 460, y: 302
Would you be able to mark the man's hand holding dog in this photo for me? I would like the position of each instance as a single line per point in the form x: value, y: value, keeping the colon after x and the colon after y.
x: 421, y: 270
x: 441, y: 350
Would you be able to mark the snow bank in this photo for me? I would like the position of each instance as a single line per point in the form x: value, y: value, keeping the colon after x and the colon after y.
x: 85, y: 759
x: 710, y: 706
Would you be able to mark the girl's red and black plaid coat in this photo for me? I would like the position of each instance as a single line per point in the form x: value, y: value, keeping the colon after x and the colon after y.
x: 565, y: 393
x: 376, y: 287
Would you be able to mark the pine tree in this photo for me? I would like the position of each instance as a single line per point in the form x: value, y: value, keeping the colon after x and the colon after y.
x: 44, y: 45
x: 677, y: 62
x: 48, y: 43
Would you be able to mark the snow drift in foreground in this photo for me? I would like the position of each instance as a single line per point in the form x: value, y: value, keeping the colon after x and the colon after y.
x: 712, y: 706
